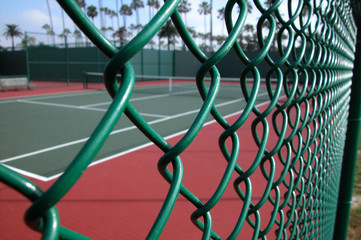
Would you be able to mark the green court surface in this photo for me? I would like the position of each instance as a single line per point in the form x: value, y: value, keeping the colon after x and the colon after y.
x: 41, y: 135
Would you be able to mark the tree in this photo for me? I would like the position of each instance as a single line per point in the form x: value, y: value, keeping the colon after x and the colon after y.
x: 136, y: 4
x: 211, y: 25
x: 51, y: 22
x: 65, y: 34
x: 81, y: 4
x: 78, y: 36
x: 112, y: 14
x: 249, y: 6
x: 28, y: 41
x: 49, y: 31
x: 137, y: 27
x: 120, y: 34
x: 249, y: 28
x: 104, y: 10
x: 184, y: 8
x: 100, y: 7
x: 12, y: 31
x: 221, y: 13
x: 152, y: 4
x: 125, y: 10
x: 110, y: 29
x: 204, y: 9
x: 168, y: 31
x: 92, y: 12
x: 117, y: 12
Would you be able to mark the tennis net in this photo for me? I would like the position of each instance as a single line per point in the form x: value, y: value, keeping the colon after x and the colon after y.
x: 175, y: 85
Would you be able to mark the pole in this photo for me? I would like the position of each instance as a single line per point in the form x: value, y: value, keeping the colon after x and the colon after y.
x: 350, y: 151
x: 27, y: 60
x: 67, y: 61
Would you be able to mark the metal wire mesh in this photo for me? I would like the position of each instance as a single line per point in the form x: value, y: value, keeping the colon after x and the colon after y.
x: 316, y: 43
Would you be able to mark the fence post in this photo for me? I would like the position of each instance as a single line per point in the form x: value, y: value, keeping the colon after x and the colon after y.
x: 350, y: 151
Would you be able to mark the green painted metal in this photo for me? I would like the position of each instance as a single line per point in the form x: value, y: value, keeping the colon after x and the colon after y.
x: 316, y: 42
x: 352, y: 143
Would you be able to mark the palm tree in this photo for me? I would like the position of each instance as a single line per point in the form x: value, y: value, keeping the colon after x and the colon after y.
x: 137, y: 27
x: 117, y: 12
x: 268, y: 3
x: 249, y: 28
x: 250, y: 7
x: 92, y: 12
x: 112, y: 14
x: 220, y: 16
x: 28, y: 41
x: 121, y: 34
x: 204, y: 9
x: 81, y: 4
x: 66, y: 32
x: 152, y: 4
x: 168, y: 31
x: 100, y: 7
x: 51, y: 22
x: 104, y: 30
x: 12, y: 31
x: 78, y: 36
x: 110, y: 29
x: 125, y: 10
x: 64, y: 35
x: 211, y: 25
x: 49, y: 31
x: 184, y: 7
x: 104, y: 10
x: 136, y: 4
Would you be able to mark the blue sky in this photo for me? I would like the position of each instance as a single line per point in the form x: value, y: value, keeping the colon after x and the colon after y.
x: 31, y: 15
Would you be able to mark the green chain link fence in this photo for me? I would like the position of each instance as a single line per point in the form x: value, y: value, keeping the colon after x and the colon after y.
x: 316, y: 42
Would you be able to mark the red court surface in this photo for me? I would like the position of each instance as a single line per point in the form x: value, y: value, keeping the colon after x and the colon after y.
x: 120, y: 198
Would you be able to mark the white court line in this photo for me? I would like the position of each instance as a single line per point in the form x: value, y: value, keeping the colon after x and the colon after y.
x: 154, y: 115
x: 61, y: 105
x: 29, y: 174
x: 52, y: 96
x: 49, y: 96
x: 116, y: 132
x: 165, y: 118
x: 85, y: 108
x: 45, y: 179
x: 142, y: 98
x: 113, y: 132
x: 8, y: 101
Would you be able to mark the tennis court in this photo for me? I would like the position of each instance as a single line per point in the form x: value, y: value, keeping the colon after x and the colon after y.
x: 42, y: 134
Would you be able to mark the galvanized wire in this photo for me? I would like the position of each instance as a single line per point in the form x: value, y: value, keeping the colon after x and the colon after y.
x: 316, y: 43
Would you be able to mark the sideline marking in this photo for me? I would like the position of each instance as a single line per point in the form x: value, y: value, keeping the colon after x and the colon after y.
x: 96, y: 162
x: 117, y: 131
x: 45, y: 179
x: 42, y: 178
x: 113, y: 132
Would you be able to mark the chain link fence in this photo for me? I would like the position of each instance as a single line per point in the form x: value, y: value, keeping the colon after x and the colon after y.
x: 316, y: 43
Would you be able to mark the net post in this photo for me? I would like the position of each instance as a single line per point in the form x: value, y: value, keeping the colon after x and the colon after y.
x: 170, y: 85
x: 85, y: 80
x: 67, y: 71
x: 27, y: 61
x: 350, y: 151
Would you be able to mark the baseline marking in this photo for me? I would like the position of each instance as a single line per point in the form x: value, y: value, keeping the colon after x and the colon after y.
x: 45, y: 179
x: 165, y: 118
